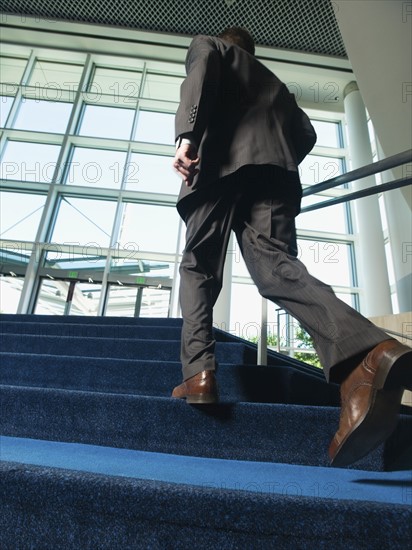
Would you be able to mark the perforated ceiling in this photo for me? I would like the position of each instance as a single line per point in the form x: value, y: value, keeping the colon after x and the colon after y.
x: 303, y: 25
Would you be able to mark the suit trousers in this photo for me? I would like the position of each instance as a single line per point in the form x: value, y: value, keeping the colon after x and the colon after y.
x: 260, y: 203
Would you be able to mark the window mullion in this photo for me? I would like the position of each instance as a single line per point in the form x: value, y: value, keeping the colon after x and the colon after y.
x: 14, y: 111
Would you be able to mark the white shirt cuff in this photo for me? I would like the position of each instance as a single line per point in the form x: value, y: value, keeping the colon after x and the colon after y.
x: 183, y: 141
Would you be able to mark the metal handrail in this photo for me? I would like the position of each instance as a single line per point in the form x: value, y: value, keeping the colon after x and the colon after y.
x: 359, y: 194
x: 394, y: 333
x: 359, y: 173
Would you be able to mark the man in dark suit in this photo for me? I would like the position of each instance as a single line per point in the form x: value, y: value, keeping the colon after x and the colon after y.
x: 239, y: 139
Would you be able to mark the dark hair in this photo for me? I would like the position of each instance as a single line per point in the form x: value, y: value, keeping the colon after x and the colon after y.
x: 239, y: 36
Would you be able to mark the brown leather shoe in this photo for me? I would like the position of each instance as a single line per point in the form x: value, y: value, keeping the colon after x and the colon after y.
x: 200, y: 389
x: 370, y: 401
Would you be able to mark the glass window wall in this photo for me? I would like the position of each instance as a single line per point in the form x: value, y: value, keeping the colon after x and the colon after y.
x: 106, y: 122
x: 119, y: 187
x: 121, y: 85
x: 43, y: 116
x: 317, y: 169
x: 29, y: 162
x: 155, y: 127
x: 329, y: 261
x: 152, y: 174
x: 11, y: 69
x: 161, y: 86
x: 96, y: 168
x: 67, y: 298
x: 332, y: 219
x: 50, y: 78
x: 20, y: 225
x: 5, y: 105
x: 149, y: 227
x: 328, y: 133
x: 10, y: 293
x: 87, y: 222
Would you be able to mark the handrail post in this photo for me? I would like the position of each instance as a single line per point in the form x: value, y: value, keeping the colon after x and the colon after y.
x: 262, y: 351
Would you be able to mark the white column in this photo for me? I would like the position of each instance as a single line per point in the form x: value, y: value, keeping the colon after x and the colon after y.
x: 398, y: 214
x: 372, y: 268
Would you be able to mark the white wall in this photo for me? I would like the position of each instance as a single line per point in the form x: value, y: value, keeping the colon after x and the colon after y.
x: 378, y: 39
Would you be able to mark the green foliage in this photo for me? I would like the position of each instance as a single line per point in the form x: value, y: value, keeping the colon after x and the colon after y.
x: 302, y: 341
x: 271, y: 340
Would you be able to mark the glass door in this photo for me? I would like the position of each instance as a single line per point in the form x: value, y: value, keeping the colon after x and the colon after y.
x: 63, y: 297
x: 125, y: 300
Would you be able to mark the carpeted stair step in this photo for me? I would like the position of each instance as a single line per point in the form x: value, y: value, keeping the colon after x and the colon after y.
x: 255, y: 383
x: 58, y: 509
x: 143, y: 328
x: 253, y: 476
x: 97, y: 455
x: 241, y: 431
x: 89, y: 330
x: 127, y: 348
x: 55, y: 319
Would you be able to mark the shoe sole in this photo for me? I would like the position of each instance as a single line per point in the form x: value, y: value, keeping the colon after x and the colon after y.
x: 202, y: 399
x: 370, y: 432
x: 395, y: 373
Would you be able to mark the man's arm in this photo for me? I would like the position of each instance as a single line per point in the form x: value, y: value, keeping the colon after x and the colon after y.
x: 197, y: 99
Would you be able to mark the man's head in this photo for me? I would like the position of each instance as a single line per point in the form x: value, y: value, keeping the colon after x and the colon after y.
x: 239, y: 36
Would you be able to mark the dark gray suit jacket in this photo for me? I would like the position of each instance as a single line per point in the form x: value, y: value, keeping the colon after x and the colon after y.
x: 238, y: 113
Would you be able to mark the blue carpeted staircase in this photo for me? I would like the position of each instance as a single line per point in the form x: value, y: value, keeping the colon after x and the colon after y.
x: 96, y: 455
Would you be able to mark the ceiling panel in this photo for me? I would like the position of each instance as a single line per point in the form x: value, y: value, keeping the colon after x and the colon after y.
x: 299, y: 25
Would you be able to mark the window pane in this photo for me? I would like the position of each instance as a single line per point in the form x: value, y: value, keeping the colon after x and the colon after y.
x: 123, y: 86
x: 5, y: 105
x: 29, y: 161
x: 328, y: 261
x: 121, y: 301
x: 131, y: 301
x: 331, y: 218
x: 55, y: 76
x: 153, y: 174
x: 84, y: 221
x: 149, y: 227
x: 86, y: 299
x: 78, y: 265
x: 155, y: 302
x: 160, y: 86
x: 11, y: 69
x: 52, y: 298
x: 43, y: 116
x: 96, y: 167
x: 316, y: 169
x: 20, y: 215
x: 245, y: 311
x: 327, y: 133
x: 15, y: 256
x: 239, y: 268
x: 10, y: 292
x: 155, y: 127
x: 107, y: 122
x: 349, y: 299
